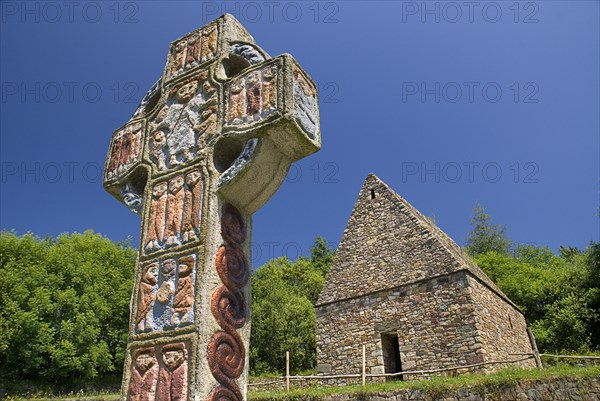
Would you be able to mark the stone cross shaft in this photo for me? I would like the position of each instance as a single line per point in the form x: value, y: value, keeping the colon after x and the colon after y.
x: 209, y: 144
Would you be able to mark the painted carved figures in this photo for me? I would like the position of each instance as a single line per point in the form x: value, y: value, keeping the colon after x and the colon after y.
x: 125, y: 149
x: 184, y: 295
x: 142, y: 386
x: 305, y: 103
x: 180, y: 128
x: 162, y: 378
x: 193, y: 49
x: 156, y: 222
x: 174, y: 213
x: 172, y: 383
x: 226, y: 351
x: 191, y: 206
x: 253, y: 97
x: 147, y: 297
x: 166, y: 294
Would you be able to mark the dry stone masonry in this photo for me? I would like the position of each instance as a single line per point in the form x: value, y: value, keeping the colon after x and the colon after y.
x: 209, y: 144
x: 405, y: 290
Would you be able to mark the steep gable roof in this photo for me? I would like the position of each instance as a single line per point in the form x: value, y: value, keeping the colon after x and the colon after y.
x: 388, y: 243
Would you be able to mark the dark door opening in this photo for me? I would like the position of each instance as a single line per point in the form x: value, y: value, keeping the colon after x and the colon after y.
x: 391, y: 355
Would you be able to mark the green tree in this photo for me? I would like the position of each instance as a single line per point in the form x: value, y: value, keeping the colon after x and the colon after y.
x: 321, y: 256
x: 64, y: 306
x: 554, y: 292
x: 283, y: 316
x: 486, y: 237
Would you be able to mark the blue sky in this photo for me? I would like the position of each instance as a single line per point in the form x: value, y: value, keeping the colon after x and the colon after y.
x: 450, y: 103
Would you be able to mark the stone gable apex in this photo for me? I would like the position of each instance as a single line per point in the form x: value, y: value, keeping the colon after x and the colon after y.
x: 388, y: 243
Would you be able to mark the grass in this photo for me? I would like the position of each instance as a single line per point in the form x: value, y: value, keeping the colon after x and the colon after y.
x: 436, y: 385
x: 433, y: 386
x: 69, y: 397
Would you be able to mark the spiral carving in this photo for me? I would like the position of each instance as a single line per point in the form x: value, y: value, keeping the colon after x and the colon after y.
x: 226, y: 350
x: 224, y: 394
x: 233, y: 227
x: 229, y: 308
x: 232, y: 266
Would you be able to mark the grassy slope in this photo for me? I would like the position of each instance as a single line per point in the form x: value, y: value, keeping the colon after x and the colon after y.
x: 436, y: 385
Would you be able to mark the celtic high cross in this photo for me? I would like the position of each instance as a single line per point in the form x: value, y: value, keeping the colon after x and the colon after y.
x: 209, y: 144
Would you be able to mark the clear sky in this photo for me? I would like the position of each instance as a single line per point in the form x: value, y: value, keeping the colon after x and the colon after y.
x: 450, y: 103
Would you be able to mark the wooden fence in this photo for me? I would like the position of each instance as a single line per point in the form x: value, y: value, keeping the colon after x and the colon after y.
x: 363, y: 375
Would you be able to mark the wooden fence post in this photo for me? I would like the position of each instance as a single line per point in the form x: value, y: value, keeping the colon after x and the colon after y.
x: 364, y: 366
x: 536, y: 353
x: 287, y: 370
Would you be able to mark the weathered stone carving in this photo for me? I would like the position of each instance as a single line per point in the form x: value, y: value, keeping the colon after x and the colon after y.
x: 237, y: 100
x: 156, y: 224
x: 125, y: 149
x: 193, y: 49
x: 175, y: 213
x: 269, y: 91
x: 144, y: 375
x: 218, y: 134
x: 174, y: 210
x: 146, y: 297
x: 165, y: 379
x: 172, y: 384
x: 226, y: 351
x: 191, y: 206
x: 166, y: 294
x: 305, y: 101
x: 133, y: 200
x: 184, y: 294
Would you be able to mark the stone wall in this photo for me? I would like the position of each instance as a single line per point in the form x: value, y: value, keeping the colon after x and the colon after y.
x: 587, y: 389
x: 502, y: 329
x: 434, y: 321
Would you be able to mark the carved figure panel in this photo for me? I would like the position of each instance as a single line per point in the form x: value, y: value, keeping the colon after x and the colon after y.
x: 173, y: 377
x: 253, y: 97
x: 191, y: 206
x: 144, y: 375
x: 191, y: 50
x: 186, y: 118
x: 305, y: 103
x: 147, y: 296
x: 156, y: 220
x: 175, y: 212
x: 166, y: 294
x: 125, y: 149
x: 160, y: 373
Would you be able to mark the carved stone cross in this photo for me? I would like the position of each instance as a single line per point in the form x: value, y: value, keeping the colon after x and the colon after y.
x: 210, y: 143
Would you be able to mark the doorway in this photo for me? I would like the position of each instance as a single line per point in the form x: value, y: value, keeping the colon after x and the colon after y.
x: 391, y: 355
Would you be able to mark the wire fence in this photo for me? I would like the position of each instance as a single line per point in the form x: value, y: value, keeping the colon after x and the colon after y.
x: 363, y: 375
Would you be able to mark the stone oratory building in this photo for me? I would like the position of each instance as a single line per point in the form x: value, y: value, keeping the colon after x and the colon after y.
x: 404, y: 289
